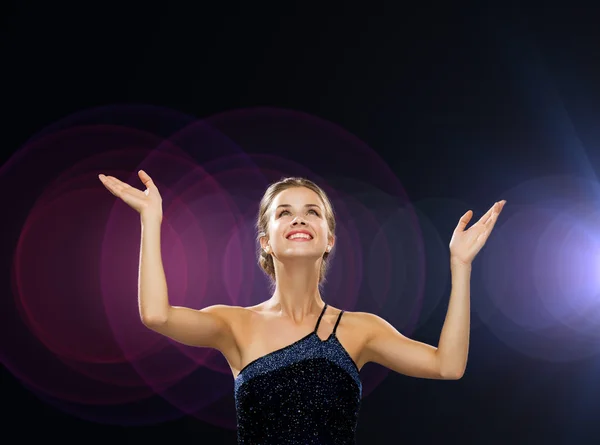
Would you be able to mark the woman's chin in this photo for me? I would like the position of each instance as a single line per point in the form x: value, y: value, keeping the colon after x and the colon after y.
x: 300, y: 254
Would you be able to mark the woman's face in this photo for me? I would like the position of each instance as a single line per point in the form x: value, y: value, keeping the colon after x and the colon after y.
x: 297, y: 225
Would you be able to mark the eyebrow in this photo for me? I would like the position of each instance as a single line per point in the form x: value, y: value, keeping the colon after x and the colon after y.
x: 306, y: 205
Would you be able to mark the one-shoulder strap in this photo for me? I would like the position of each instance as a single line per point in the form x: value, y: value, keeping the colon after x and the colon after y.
x: 320, y: 316
x: 338, y: 321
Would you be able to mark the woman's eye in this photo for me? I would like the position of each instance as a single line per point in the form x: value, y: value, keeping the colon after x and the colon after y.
x: 288, y: 212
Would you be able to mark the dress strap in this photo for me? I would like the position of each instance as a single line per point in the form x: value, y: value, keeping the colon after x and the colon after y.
x: 338, y: 321
x: 320, y: 316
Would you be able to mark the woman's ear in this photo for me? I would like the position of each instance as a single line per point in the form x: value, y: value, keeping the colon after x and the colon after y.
x: 330, y: 243
x: 264, y: 242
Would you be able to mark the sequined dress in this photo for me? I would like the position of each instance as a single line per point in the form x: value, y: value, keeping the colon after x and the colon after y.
x: 305, y: 393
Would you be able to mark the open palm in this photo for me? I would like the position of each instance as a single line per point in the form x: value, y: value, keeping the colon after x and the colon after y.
x: 146, y: 203
x: 466, y: 244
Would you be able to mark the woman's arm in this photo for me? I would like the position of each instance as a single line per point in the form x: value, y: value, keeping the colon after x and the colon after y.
x: 386, y: 346
x: 453, y: 347
x: 208, y: 327
x: 153, y: 299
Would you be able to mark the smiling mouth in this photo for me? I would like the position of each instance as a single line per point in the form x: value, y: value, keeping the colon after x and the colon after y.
x: 299, y: 237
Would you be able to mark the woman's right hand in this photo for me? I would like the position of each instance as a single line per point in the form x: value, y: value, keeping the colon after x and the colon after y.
x: 147, y: 203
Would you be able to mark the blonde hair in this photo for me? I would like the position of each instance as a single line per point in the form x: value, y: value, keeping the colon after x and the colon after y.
x: 265, y: 261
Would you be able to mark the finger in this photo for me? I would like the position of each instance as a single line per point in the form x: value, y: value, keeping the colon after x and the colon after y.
x: 489, y: 226
x: 146, y: 179
x: 108, y: 183
x: 485, y: 218
x: 464, y: 220
x: 121, y: 189
x: 112, y: 183
x: 492, y: 219
x: 499, y: 207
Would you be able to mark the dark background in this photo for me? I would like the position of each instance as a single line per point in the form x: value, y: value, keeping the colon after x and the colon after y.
x: 453, y: 97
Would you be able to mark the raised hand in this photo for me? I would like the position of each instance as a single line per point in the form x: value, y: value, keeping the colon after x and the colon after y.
x: 466, y: 244
x: 147, y: 203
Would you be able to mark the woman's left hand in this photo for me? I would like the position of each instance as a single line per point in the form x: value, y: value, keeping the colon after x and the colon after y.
x: 466, y: 244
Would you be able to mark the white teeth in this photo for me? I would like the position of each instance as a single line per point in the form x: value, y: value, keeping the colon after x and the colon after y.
x: 299, y: 235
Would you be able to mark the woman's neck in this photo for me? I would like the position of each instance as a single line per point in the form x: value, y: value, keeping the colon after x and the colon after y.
x: 297, y: 292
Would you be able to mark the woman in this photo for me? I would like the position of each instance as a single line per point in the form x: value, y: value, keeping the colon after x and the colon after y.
x: 294, y: 359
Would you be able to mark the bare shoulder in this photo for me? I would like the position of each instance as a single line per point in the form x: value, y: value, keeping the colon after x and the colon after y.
x: 238, y: 318
x: 228, y: 313
x: 376, y: 326
x: 223, y: 311
x: 349, y: 319
x: 365, y: 320
x: 364, y: 326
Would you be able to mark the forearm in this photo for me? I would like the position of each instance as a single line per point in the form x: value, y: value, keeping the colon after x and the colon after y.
x: 153, y: 297
x: 453, y: 347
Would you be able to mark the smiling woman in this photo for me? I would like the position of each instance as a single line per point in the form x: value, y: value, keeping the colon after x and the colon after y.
x: 295, y: 359
x: 295, y: 205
